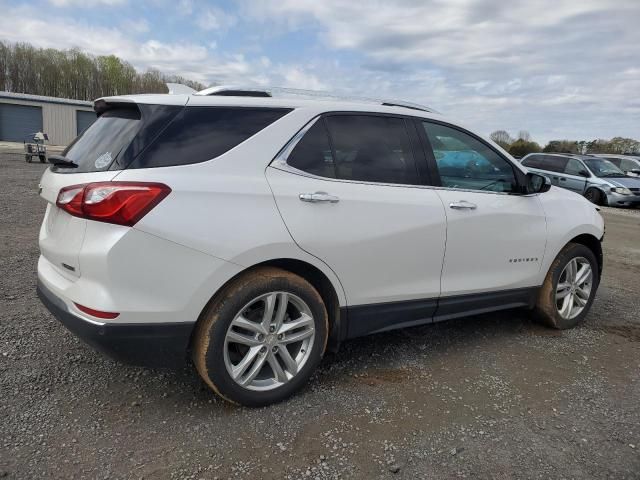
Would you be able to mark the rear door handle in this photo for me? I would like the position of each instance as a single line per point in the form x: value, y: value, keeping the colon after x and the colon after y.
x: 563, y: 179
x: 319, y: 197
x: 463, y: 205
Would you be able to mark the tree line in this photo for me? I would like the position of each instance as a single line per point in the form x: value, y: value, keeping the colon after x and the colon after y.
x: 74, y: 74
x: 522, y: 145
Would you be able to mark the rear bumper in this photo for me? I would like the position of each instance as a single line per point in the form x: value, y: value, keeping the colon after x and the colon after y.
x: 143, y: 344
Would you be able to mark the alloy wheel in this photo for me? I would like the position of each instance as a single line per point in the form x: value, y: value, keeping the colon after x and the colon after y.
x: 574, y: 288
x: 269, y: 341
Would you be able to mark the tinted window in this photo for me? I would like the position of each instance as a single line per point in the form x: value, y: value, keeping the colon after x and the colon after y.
x: 465, y: 162
x: 554, y: 163
x: 103, y: 142
x: 573, y: 167
x: 534, y: 161
x: 372, y: 149
x: 198, y: 134
x: 313, y: 153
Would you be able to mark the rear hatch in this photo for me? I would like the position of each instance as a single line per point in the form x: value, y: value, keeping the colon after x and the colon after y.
x: 108, y: 146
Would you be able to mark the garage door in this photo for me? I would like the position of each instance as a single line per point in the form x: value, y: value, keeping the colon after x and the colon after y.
x: 19, y: 122
x: 83, y: 120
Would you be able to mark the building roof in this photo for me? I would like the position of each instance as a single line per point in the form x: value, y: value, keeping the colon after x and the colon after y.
x: 43, y: 99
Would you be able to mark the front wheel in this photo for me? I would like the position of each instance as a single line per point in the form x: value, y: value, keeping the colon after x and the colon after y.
x: 594, y: 196
x: 569, y: 287
x: 261, y: 337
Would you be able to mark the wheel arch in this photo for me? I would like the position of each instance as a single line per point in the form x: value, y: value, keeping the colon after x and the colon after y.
x: 317, y: 278
x: 593, y: 244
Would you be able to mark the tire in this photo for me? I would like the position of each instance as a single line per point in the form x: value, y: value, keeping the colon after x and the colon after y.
x: 27, y: 158
x: 215, y: 354
x: 549, y: 305
x: 42, y: 158
x: 594, y: 196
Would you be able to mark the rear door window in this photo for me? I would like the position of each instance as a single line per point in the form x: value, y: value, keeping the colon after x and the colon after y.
x: 555, y: 164
x: 372, y: 148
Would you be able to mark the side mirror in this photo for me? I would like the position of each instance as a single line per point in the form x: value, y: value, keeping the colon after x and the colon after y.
x: 584, y: 173
x: 537, y: 183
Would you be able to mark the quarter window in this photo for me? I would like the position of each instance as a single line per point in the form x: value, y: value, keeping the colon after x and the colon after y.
x: 465, y: 162
x: 198, y: 134
x: 372, y: 148
x: 312, y: 153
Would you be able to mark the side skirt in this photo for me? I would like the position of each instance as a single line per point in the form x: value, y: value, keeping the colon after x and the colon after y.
x: 380, y: 317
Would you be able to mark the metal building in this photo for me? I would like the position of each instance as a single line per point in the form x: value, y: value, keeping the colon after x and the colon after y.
x: 62, y: 119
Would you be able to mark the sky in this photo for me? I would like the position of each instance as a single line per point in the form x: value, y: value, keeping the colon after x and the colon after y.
x: 556, y: 68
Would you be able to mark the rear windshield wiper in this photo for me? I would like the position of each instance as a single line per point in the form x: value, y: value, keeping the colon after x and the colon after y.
x: 60, y: 161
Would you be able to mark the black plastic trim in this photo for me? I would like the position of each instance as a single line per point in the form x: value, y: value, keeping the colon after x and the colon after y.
x: 149, y: 345
x: 362, y: 320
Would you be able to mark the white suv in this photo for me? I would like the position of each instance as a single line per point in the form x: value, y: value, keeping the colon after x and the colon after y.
x: 252, y: 232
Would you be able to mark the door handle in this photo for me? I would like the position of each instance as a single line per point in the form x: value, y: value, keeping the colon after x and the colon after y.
x: 555, y: 178
x: 563, y: 179
x: 463, y: 205
x: 318, y: 197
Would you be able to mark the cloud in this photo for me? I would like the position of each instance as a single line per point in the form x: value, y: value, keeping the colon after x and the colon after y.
x: 545, y: 62
x: 214, y: 18
x: 86, y: 3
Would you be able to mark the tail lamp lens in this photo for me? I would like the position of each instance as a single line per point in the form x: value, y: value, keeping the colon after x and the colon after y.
x: 122, y: 203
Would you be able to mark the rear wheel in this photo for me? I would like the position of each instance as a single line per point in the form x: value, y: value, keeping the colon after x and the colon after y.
x: 43, y: 159
x: 260, y: 339
x: 27, y: 158
x: 594, y: 196
x: 569, y: 288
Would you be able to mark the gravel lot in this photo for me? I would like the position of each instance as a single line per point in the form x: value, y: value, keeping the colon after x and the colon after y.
x: 494, y: 396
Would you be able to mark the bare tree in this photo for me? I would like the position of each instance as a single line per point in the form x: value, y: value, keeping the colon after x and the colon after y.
x: 502, y: 138
x: 74, y: 74
x: 524, y: 135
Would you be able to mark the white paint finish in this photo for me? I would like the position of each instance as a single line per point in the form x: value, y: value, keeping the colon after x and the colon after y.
x: 379, y: 243
x: 481, y: 241
x: 567, y: 215
x: 143, y: 277
x: 384, y: 242
x: 61, y: 234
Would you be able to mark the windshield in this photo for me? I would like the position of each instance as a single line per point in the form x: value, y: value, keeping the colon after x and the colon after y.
x: 603, y: 168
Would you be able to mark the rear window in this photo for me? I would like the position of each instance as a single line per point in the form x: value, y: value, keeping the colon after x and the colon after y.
x: 146, y: 136
x: 97, y: 148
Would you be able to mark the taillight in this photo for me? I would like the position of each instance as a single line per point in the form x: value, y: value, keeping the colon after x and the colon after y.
x: 122, y: 203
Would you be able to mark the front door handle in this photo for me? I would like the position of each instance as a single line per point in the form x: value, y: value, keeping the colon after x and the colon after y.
x: 318, y: 197
x: 463, y: 205
x: 563, y: 179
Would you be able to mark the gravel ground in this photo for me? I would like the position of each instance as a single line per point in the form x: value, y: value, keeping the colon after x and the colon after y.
x: 494, y: 396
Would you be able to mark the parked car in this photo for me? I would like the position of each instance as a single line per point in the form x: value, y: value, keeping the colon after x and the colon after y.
x: 627, y: 163
x: 599, y: 180
x: 252, y: 233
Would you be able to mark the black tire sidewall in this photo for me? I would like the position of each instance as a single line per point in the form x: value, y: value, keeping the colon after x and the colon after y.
x: 570, y: 252
x: 597, y: 196
x: 225, y: 313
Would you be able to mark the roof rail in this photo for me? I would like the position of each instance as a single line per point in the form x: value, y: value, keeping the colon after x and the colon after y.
x: 236, y: 91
